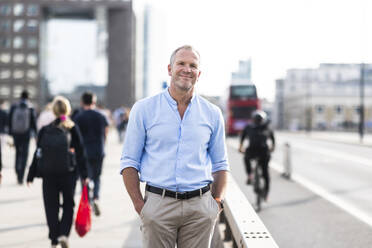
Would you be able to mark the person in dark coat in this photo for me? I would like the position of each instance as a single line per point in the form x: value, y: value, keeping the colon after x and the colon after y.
x: 56, y: 184
x: 94, y: 129
x: 258, y: 134
x: 3, y: 126
x: 21, y: 127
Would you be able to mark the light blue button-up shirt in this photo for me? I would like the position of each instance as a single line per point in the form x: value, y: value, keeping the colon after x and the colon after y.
x: 170, y: 152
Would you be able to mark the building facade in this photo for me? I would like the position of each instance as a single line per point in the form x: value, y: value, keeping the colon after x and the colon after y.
x: 22, y: 34
x: 324, y: 98
x: 244, y: 73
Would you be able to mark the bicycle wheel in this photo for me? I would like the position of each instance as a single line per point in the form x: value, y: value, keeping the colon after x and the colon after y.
x: 259, y: 187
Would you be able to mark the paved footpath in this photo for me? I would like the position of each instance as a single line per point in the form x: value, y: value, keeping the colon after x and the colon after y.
x: 342, y: 137
x: 22, y: 218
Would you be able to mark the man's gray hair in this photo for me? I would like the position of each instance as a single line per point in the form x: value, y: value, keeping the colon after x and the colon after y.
x: 186, y: 47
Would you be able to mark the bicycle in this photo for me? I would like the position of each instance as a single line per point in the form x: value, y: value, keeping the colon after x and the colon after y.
x: 258, y: 184
x: 258, y: 180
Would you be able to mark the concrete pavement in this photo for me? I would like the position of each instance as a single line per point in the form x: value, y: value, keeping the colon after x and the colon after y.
x: 22, y: 218
x: 343, y: 137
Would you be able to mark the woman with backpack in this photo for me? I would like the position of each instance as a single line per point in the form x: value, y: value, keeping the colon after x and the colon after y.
x: 59, y: 159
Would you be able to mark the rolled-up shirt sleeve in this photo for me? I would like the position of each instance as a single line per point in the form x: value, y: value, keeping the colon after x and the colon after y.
x: 217, y: 145
x: 134, y: 141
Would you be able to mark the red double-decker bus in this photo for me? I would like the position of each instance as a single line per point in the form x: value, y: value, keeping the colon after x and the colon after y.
x: 241, y: 102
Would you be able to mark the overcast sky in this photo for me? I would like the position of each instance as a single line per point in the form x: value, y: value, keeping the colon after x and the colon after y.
x: 276, y: 34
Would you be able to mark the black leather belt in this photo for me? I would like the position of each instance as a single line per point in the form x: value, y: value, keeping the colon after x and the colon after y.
x: 178, y: 195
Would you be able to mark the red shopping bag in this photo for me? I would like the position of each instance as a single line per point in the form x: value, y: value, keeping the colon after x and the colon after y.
x: 83, y: 220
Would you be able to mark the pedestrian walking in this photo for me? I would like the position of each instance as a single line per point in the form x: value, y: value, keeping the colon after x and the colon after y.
x: 3, y: 126
x: 123, y: 122
x: 22, y: 124
x: 105, y: 112
x: 59, y: 158
x: 120, y: 116
x: 94, y: 128
x: 45, y: 117
x: 175, y: 141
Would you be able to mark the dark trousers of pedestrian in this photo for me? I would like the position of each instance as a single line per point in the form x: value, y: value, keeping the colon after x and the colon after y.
x: 21, y: 145
x: 94, y: 173
x: 1, y: 159
x: 53, y: 187
x: 121, y: 131
x: 263, y: 161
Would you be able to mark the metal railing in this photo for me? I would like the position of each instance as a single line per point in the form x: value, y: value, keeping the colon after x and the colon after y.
x: 243, y: 224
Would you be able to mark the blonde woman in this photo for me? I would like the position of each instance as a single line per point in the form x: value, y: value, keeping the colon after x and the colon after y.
x: 59, y: 146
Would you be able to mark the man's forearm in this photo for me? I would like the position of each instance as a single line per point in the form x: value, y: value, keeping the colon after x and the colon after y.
x: 219, y: 184
x: 132, y: 184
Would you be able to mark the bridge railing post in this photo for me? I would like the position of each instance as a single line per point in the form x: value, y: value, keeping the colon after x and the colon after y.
x: 287, y: 161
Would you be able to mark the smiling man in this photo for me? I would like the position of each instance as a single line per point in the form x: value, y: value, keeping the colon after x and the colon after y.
x: 175, y: 141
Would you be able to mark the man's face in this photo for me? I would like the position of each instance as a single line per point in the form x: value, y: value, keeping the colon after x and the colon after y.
x: 184, y: 71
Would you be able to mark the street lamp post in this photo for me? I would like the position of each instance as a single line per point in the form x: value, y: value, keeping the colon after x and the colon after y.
x: 361, y: 107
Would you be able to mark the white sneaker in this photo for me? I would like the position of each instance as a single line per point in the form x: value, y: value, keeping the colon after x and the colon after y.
x: 63, y: 241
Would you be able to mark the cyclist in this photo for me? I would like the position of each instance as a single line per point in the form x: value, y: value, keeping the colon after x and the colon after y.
x: 258, y: 134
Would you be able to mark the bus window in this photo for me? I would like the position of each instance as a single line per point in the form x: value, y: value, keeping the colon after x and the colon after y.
x: 243, y: 92
x: 243, y: 112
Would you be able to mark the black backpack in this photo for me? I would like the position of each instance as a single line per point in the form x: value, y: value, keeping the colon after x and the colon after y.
x: 54, y: 155
x: 258, y: 138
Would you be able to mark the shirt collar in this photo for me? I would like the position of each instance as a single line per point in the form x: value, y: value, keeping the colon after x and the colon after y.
x: 172, y: 101
x: 169, y: 97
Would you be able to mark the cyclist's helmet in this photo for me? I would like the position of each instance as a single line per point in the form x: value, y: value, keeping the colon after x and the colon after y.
x: 259, y: 117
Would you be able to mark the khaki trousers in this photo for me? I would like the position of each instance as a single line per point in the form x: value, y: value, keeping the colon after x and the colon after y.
x: 188, y: 223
